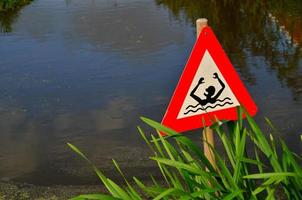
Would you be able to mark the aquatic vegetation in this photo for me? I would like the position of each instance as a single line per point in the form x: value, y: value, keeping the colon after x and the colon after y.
x: 250, y: 166
x: 6, y: 5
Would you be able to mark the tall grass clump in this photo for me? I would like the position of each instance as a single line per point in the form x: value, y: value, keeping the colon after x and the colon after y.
x: 250, y: 166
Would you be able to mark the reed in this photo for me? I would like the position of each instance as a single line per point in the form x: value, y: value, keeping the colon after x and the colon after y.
x: 260, y: 170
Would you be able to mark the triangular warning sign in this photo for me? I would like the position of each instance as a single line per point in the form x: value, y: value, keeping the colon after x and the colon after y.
x: 209, y: 88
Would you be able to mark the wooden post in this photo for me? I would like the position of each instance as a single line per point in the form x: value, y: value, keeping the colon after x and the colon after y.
x: 208, y: 136
x: 200, y: 24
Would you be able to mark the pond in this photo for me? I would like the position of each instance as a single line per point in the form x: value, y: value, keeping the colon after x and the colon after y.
x: 85, y: 71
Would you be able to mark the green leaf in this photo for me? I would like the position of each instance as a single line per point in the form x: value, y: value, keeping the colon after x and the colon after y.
x: 233, y: 195
x: 172, y: 191
x: 132, y: 192
x: 181, y: 165
x: 182, y: 139
x: 273, y: 174
x: 75, y: 149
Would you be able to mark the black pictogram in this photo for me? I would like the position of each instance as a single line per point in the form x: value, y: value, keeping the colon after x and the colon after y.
x: 210, y: 97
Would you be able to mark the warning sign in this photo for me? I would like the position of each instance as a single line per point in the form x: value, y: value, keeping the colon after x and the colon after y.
x: 209, y: 88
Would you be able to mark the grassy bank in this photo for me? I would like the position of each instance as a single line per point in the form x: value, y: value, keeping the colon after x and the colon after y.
x: 9, y: 5
x: 250, y: 166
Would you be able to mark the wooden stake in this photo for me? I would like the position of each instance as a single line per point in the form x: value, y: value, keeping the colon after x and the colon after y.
x: 208, y: 136
x: 200, y: 24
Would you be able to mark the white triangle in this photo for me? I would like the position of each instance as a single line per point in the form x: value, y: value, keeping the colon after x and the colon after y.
x: 194, y: 106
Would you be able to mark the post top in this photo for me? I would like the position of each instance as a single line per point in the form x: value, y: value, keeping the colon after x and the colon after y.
x: 202, y: 20
x: 200, y: 24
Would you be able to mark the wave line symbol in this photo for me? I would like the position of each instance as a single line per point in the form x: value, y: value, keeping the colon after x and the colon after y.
x: 218, y: 100
x: 221, y: 105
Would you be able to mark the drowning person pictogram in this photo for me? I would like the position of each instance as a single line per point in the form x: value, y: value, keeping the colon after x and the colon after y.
x: 210, y: 97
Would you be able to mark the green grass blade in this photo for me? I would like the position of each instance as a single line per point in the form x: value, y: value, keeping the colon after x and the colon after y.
x: 145, y: 139
x: 182, y: 139
x: 132, y: 192
x: 97, y: 171
x: 172, y: 192
x: 119, y: 191
x: 270, y: 194
x: 236, y: 193
x: 75, y: 149
x: 229, y: 148
x: 273, y: 174
x: 181, y: 165
x: 262, y: 143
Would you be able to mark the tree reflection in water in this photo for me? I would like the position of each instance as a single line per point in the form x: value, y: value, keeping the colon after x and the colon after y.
x: 6, y: 20
x: 271, y: 29
x: 9, y: 15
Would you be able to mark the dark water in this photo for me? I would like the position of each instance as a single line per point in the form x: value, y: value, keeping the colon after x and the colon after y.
x: 84, y: 71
